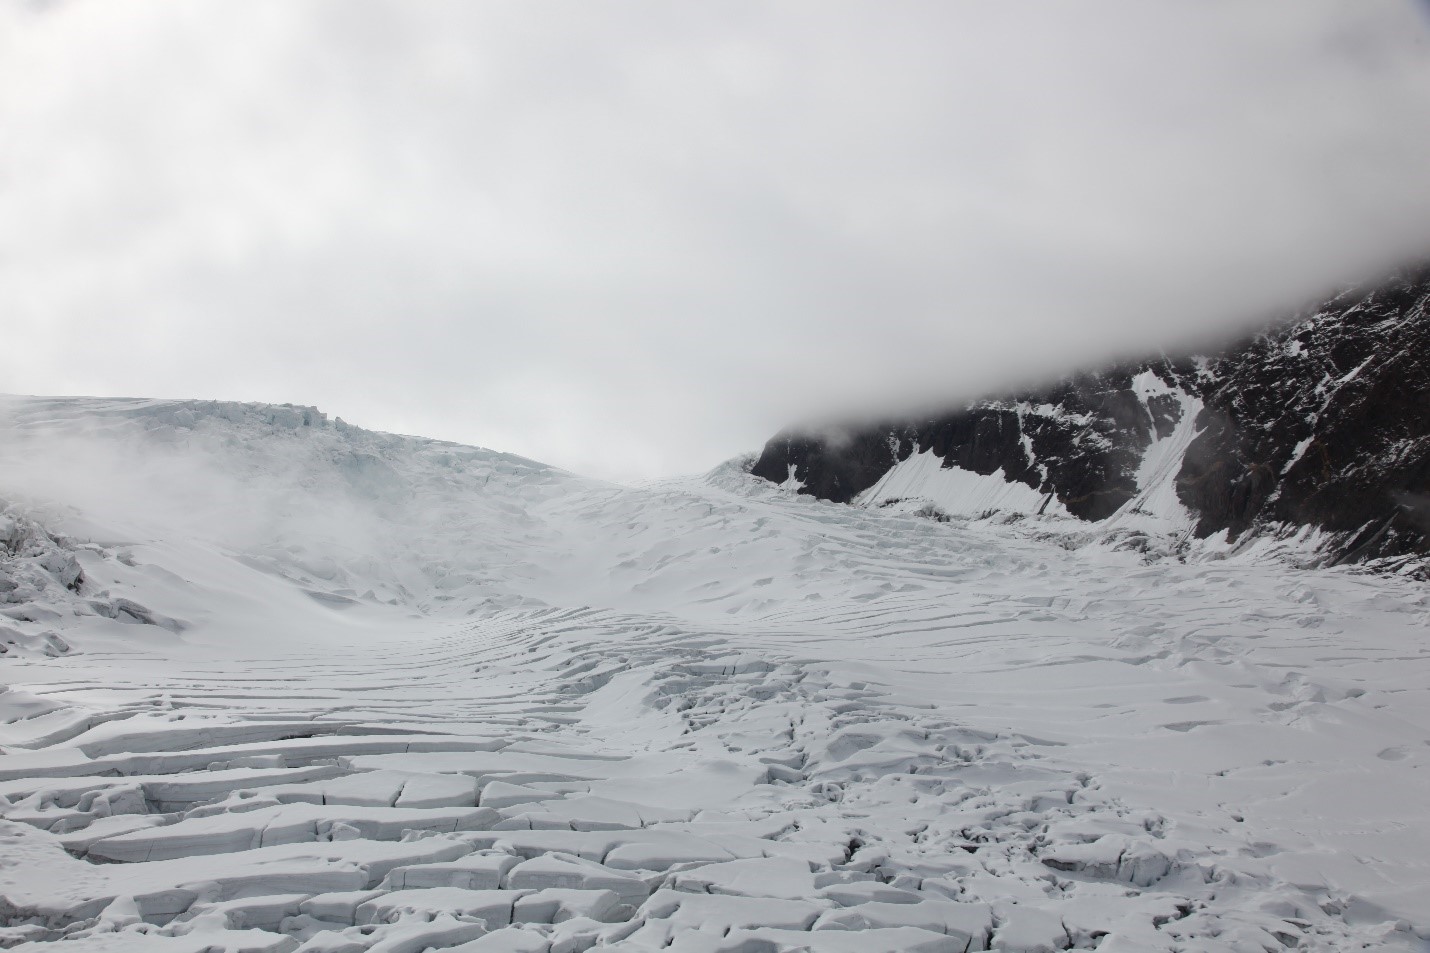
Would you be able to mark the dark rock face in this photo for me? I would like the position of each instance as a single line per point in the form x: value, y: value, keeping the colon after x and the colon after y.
x: 1323, y: 421
x: 1080, y: 440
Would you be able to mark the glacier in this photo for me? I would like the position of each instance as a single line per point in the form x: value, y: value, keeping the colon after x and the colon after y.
x: 272, y: 682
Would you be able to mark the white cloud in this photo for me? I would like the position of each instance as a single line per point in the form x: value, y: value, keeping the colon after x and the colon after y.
x: 633, y: 238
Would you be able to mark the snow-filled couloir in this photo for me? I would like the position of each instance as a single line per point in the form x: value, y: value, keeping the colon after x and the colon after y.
x: 272, y: 682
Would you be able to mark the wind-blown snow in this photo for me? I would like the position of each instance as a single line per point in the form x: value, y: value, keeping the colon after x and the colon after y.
x: 324, y: 689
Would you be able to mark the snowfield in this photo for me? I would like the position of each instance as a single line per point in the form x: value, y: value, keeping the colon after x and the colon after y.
x: 275, y: 683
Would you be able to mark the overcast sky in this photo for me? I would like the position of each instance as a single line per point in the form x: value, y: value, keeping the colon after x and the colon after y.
x: 637, y: 238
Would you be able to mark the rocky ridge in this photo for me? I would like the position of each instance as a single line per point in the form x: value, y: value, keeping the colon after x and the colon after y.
x: 1321, y: 422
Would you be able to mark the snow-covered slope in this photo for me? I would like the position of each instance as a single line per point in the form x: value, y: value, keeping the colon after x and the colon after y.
x: 1322, y: 422
x: 277, y: 683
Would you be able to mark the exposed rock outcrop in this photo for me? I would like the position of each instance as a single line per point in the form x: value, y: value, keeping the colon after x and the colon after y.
x: 1321, y: 421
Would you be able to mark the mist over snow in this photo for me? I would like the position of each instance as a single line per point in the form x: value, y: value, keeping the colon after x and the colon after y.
x: 638, y: 238
x: 271, y: 682
x: 526, y: 652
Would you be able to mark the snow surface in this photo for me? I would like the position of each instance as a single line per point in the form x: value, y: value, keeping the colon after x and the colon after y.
x: 322, y: 689
x: 956, y: 491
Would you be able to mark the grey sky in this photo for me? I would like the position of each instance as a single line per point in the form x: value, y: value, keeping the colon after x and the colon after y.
x: 635, y: 238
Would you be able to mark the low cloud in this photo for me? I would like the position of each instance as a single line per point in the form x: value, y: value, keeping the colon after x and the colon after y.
x: 638, y: 238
